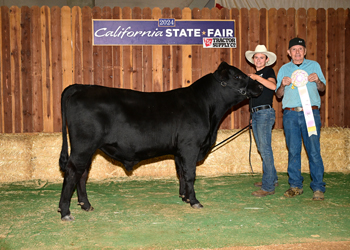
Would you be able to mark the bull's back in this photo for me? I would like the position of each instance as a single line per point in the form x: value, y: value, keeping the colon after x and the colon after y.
x: 131, y: 124
x: 132, y: 107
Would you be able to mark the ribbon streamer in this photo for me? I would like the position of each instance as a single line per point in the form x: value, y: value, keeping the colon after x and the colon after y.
x: 300, y: 79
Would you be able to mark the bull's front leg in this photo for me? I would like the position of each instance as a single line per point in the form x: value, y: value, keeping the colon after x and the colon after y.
x: 188, y: 166
x: 190, y: 176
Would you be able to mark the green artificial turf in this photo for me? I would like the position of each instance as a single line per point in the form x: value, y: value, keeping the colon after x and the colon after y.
x: 148, y: 214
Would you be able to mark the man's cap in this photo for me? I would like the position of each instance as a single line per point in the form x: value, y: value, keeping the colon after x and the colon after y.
x: 296, y: 41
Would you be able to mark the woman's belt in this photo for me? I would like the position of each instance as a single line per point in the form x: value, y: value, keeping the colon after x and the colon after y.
x: 256, y: 109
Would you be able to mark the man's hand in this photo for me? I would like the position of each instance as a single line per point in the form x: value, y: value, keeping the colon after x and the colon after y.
x: 286, y: 81
x: 314, y: 78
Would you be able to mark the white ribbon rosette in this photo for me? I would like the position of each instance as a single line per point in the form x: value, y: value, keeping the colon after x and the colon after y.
x: 299, y: 80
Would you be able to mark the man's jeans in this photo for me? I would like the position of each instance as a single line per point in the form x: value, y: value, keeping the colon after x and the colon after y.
x: 295, y: 129
x: 262, y: 122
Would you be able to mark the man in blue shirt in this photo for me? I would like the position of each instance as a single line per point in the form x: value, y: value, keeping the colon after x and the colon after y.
x: 294, y: 123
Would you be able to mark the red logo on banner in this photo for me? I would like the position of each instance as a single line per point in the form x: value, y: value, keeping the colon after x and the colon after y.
x: 208, y: 42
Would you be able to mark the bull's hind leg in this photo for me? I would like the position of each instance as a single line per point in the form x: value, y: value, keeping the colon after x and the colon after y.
x: 72, y: 176
x: 182, y: 192
x: 83, y: 200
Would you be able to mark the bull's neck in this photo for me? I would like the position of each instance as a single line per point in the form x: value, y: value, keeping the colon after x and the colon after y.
x: 217, y: 98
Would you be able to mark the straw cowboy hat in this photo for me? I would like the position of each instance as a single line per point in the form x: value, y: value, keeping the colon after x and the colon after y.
x: 261, y: 49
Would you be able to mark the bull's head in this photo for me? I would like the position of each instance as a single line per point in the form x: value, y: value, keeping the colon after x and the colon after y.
x: 231, y: 77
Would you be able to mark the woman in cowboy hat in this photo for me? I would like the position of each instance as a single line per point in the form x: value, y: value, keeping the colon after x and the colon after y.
x: 263, y: 116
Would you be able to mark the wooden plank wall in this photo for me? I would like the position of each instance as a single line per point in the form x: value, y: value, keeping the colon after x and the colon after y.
x: 43, y: 50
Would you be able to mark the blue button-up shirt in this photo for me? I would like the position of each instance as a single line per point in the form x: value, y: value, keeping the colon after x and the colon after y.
x: 291, y: 98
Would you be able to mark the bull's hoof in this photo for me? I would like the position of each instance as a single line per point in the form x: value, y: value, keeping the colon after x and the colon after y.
x: 88, y: 209
x: 198, y: 206
x: 67, y: 218
x: 185, y: 200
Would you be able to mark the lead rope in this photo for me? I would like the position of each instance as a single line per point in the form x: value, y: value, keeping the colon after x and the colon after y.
x: 228, y: 138
x: 250, y: 146
x: 250, y: 134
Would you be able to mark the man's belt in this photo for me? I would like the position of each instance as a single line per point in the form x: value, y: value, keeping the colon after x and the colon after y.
x: 299, y: 109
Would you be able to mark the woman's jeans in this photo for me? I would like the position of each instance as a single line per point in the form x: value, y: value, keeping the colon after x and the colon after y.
x: 295, y: 130
x: 262, y: 122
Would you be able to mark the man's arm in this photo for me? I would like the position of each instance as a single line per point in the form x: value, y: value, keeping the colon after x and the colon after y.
x: 320, y: 86
x: 280, y: 91
x: 285, y: 82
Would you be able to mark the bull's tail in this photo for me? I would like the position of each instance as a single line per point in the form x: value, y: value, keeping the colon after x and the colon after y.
x: 66, y: 94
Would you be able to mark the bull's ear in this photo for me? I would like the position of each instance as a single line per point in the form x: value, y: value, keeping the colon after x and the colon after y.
x: 223, y: 65
x: 223, y: 71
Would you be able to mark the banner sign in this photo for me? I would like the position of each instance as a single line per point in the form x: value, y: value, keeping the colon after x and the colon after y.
x: 167, y: 31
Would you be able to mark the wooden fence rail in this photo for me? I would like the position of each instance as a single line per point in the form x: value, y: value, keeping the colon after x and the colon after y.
x: 43, y: 50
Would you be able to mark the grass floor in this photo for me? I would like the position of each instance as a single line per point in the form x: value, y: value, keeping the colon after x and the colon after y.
x: 148, y: 214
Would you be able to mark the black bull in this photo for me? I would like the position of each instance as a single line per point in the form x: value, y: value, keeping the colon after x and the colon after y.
x: 132, y: 126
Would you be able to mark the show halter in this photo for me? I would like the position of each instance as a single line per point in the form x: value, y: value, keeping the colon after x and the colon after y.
x: 242, y: 91
x: 299, y: 80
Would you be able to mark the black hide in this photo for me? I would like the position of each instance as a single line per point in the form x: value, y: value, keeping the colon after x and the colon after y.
x: 132, y: 126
